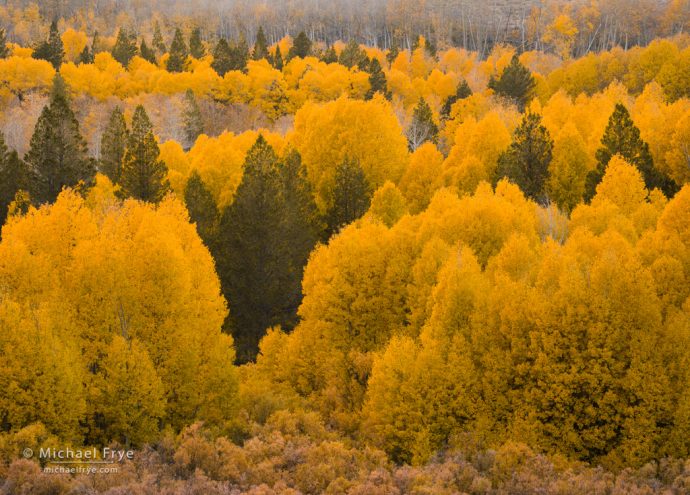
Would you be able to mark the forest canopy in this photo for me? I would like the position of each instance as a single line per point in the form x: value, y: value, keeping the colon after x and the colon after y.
x: 280, y: 251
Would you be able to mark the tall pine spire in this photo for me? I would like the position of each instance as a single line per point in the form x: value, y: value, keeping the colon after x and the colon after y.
x: 113, y: 144
x: 144, y: 176
x: 57, y: 155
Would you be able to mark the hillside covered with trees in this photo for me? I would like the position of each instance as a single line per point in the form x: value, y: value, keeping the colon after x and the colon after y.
x: 365, y: 258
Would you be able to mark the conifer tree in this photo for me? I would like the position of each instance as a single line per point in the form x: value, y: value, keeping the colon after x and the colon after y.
x: 516, y: 83
x: 51, y: 50
x: 351, y: 195
x: 260, y: 45
x: 113, y: 145
x: 202, y: 208
x: 4, y: 51
x: 393, y: 53
x: 146, y: 52
x: 461, y: 92
x: 158, y: 43
x: 239, y: 54
x: 377, y: 80
x: 57, y: 156
x: 278, y: 59
x: 222, y: 57
x: 250, y: 250
x: 14, y: 176
x: 143, y: 175
x: 178, y: 53
x: 352, y: 55
x: 301, y: 47
x: 422, y: 128
x: 330, y: 56
x: 196, y: 46
x: 95, y: 44
x: 526, y: 162
x: 265, y: 237
x: 301, y: 228
x: 125, y: 47
x: 86, y: 56
x: 193, y: 122
x: 622, y: 137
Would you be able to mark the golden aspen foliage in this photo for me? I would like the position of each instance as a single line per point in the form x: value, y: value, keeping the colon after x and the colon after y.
x: 132, y: 393
x: 74, y: 43
x: 678, y: 155
x: 419, y: 394
x: 91, y: 261
x: 622, y: 203
x: 561, y: 33
x: 220, y: 161
x: 24, y: 74
x: 388, y: 204
x: 177, y: 161
x: 568, y: 168
x: 41, y: 373
x: 474, y: 156
x: 366, y: 131
x: 422, y: 177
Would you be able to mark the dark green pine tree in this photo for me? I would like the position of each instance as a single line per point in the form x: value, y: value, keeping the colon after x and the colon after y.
x: 125, y: 47
x: 422, y: 128
x: 377, y: 80
x: 461, y: 92
x: 202, y: 208
x: 330, y: 56
x: 393, y: 53
x: 14, y: 176
x: 301, y: 228
x: 526, y: 161
x: 51, y: 50
x: 352, y: 55
x: 239, y: 54
x: 515, y: 83
x: 178, y: 53
x: 260, y: 45
x: 264, y: 240
x: 158, y: 43
x: 278, y: 59
x: 57, y: 156
x: 351, y: 195
x: 301, y: 47
x: 196, y: 46
x: 143, y: 176
x: 193, y: 122
x: 113, y: 145
x: 250, y: 251
x: 86, y: 56
x: 622, y: 137
x: 4, y: 51
x: 146, y: 52
x: 222, y: 57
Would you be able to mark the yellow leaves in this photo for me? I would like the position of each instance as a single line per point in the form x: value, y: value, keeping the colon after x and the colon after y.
x: 172, y: 154
x: 474, y: 157
x: 98, y: 267
x: 568, y: 168
x: 561, y: 32
x: 388, y: 204
x: 219, y: 161
x: 421, y: 178
x: 678, y: 156
x: 366, y: 131
x: 26, y: 74
x: 622, y: 185
x: 73, y: 42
